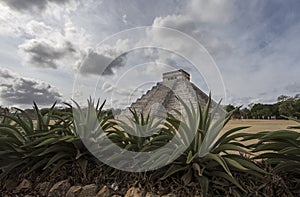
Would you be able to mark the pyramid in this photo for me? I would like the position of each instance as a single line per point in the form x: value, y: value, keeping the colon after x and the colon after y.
x: 162, y: 97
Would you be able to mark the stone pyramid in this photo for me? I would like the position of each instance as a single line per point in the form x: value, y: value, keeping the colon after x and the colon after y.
x: 162, y: 97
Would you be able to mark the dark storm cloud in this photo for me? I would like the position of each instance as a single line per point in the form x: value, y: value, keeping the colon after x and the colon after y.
x: 22, y: 5
x: 19, y: 90
x: 44, y: 54
x: 116, y: 63
x: 98, y: 64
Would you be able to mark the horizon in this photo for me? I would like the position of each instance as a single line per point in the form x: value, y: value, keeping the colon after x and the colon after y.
x: 63, y: 106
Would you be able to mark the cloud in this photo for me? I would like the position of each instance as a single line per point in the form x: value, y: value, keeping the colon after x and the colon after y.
x: 6, y: 74
x: 53, y: 47
x: 99, y: 64
x: 44, y: 53
x: 213, y: 11
x: 37, y: 28
x: 17, y: 90
x: 293, y: 88
x: 124, y: 19
x: 30, y: 5
x: 183, y: 23
x: 252, y: 44
x: 104, y: 59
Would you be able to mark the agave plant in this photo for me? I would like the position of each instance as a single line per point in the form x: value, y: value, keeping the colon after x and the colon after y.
x: 281, y: 150
x: 18, y: 132
x: 206, y: 155
x: 136, y: 133
x: 47, y: 143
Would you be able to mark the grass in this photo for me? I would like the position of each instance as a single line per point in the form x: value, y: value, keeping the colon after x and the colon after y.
x: 259, y: 125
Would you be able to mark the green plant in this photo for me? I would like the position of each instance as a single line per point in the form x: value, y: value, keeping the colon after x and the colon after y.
x: 208, y: 158
x: 47, y: 143
x: 18, y: 132
x: 281, y: 150
x: 136, y: 133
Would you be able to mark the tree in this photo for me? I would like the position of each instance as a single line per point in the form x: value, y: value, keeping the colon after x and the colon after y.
x: 245, y: 113
x: 289, y: 107
x: 262, y: 110
x: 236, y: 114
x: 282, y: 98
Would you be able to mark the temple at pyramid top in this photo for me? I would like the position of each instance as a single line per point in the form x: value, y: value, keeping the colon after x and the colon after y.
x: 177, y: 74
x: 163, y: 97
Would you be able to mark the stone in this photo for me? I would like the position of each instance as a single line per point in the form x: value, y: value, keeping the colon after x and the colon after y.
x: 74, y: 191
x: 104, y: 192
x: 114, y: 186
x: 43, y: 188
x: 24, y: 185
x: 89, y: 191
x: 59, y: 189
x: 134, y: 192
x: 10, y: 185
x: 150, y: 194
x: 163, y: 96
x: 169, y: 195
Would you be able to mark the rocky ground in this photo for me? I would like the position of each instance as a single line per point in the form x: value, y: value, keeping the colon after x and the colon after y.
x: 64, y: 188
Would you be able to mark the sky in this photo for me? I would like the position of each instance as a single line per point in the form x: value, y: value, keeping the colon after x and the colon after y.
x: 56, y: 50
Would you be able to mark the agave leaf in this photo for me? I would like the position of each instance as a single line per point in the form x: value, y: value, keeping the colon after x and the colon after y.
x: 290, y: 151
x: 56, y: 148
x: 12, y: 132
x: 229, y: 146
x: 246, y: 163
x: 187, y: 177
x: 224, y: 138
x: 172, y: 170
x: 190, y: 157
x: 220, y: 161
x: 57, y: 157
x: 272, y: 155
x: 14, y: 118
x: 204, y: 182
x: 281, y: 134
x: 37, y: 165
x: 290, y: 166
x: 276, y: 146
x: 47, y: 141
x: 57, y: 166
x: 161, y: 138
x: 40, y: 119
x: 229, y: 178
x: 235, y: 164
x: 83, y: 165
x: 197, y: 168
x: 206, y: 112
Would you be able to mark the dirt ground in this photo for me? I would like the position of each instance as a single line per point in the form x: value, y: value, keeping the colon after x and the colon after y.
x: 260, y: 125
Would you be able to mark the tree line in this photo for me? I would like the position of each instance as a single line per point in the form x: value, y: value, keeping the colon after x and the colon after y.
x: 286, y: 106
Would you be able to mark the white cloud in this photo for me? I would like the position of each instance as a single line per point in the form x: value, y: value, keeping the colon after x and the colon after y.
x: 213, y: 11
x: 124, y: 19
x: 183, y: 23
x: 18, y: 90
x: 38, y: 29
